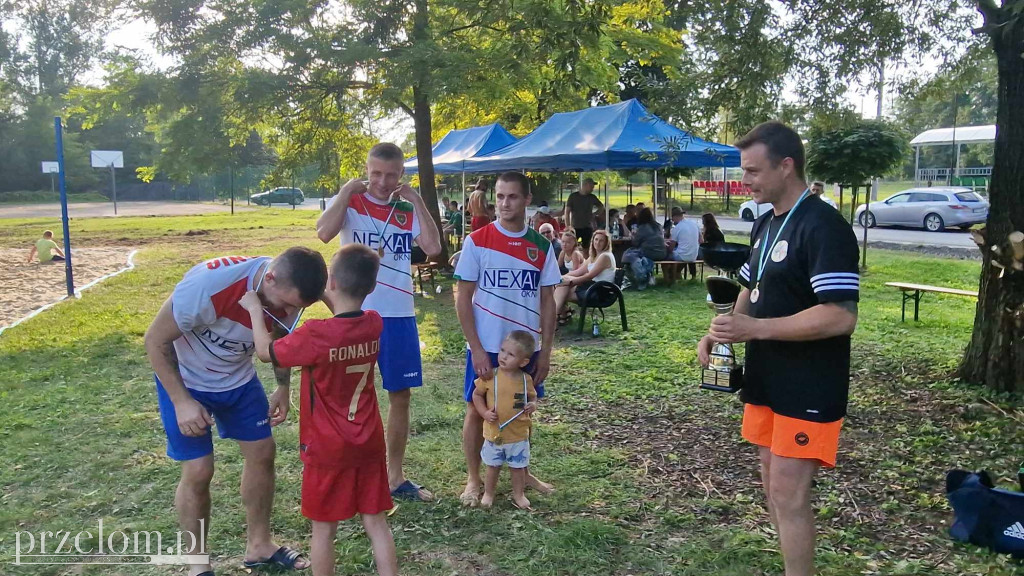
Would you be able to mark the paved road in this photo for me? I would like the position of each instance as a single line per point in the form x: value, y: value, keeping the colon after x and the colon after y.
x: 104, y: 209
x: 954, y: 239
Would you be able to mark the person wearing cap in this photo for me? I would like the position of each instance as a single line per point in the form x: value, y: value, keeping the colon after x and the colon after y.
x: 543, y: 216
x: 684, y: 239
x: 579, y: 211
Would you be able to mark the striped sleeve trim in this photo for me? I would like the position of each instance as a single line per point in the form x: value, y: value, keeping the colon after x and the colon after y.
x: 836, y: 281
x: 745, y: 272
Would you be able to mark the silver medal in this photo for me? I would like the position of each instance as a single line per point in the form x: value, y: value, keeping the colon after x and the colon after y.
x: 754, y: 295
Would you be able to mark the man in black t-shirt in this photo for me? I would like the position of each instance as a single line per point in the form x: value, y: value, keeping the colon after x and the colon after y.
x: 796, y: 313
x: 579, y: 211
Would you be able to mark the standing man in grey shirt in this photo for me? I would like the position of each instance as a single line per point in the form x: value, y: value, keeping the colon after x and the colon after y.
x: 580, y: 208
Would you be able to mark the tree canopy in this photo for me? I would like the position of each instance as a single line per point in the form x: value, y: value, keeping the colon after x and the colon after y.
x: 856, y: 154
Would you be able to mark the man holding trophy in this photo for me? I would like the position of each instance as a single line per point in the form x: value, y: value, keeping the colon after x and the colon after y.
x: 795, y: 312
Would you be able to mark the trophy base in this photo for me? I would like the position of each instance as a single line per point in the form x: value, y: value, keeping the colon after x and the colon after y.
x: 731, y: 381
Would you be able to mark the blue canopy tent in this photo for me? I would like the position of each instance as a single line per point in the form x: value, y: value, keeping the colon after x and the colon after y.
x: 620, y: 136
x: 450, y: 153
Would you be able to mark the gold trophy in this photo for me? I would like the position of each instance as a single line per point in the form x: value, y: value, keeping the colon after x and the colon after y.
x: 723, y: 373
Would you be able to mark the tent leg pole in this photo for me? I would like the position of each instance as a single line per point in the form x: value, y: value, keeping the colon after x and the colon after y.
x: 607, y: 224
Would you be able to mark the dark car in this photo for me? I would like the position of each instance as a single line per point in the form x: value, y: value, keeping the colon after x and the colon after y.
x: 278, y: 196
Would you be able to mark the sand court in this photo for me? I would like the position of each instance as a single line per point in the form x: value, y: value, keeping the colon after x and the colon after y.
x: 30, y: 286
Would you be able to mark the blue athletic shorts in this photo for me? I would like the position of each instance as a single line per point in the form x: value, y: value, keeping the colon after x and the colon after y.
x: 470, y: 382
x: 399, y: 360
x: 239, y: 414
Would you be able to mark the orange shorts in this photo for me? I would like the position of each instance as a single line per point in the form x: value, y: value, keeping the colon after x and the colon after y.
x: 791, y: 437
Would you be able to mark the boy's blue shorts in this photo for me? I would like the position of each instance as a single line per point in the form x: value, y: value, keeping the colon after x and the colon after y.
x: 240, y: 414
x: 470, y: 382
x: 399, y: 360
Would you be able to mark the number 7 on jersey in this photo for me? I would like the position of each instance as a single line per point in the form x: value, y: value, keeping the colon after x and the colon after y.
x: 366, y: 370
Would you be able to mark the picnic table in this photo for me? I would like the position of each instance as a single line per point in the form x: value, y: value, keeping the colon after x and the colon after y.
x: 619, y: 247
x: 916, y: 291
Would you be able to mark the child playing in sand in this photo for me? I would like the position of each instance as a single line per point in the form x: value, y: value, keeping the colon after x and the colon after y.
x: 506, y: 402
x: 43, y: 247
x: 341, y: 436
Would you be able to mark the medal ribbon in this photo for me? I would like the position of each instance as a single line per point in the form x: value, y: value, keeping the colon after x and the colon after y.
x: 762, y: 258
x: 380, y: 233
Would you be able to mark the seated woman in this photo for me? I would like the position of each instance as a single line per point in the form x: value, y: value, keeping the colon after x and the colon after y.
x: 648, y: 247
x: 712, y: 231
x: 571, y: 255
x: 599, y: 267
x: 649, y: 237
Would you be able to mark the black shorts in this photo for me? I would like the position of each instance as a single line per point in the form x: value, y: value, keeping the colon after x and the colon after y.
x: 585, y: 234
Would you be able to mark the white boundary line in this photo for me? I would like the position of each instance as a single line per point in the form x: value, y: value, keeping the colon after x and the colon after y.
x: 78, y: 293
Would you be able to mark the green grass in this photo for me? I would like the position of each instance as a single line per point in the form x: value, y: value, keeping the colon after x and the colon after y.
x: 45, y: 196
x: 652, y: 476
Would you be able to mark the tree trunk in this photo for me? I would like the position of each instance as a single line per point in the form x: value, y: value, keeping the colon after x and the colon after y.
x: 995, y: 355
x: 423, y: 123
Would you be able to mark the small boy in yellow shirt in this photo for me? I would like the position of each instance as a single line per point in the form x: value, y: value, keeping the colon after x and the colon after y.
x: 506, y: 402
x: 44, y: 247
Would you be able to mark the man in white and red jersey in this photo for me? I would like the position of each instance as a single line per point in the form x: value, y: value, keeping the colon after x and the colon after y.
x: 364, y: 213
x: 200, y: 346
x: 507, y: 273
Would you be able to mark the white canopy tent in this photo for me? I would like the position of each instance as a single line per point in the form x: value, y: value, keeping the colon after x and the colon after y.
x: 956, y: 136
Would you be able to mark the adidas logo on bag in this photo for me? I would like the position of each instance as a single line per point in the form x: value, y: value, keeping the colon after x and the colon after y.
x: 1016, y: 530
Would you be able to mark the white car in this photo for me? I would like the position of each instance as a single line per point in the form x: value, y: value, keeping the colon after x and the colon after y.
x: 751, y: 210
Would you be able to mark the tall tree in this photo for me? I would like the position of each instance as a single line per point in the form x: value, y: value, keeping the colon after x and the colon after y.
x: 995, y: 355
x: 64, y: 39
x: 396, y: 55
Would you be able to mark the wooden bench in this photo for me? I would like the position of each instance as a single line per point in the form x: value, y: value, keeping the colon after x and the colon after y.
x: 676, y: 265
x: 916, y: 291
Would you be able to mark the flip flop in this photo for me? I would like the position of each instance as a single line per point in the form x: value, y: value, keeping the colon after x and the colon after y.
x: 408, y: 491
x: 285, y: 557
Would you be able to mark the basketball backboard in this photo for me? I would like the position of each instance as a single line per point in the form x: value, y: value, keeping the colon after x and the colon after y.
x: 104, y: 158
x: 51, y: 168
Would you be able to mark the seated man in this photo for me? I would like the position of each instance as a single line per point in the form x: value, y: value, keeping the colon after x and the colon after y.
x: 454, y: 222
x: 43, y: 246
x: 684, y: 239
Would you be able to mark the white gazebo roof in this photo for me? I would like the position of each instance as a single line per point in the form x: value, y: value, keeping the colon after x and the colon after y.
x: 964, y: 135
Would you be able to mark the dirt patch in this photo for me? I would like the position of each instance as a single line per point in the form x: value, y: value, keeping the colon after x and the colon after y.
x: 32, y: 285
x: 895, y: 449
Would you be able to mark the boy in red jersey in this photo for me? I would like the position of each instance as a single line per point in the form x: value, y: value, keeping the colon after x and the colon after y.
x: 341, y: 436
